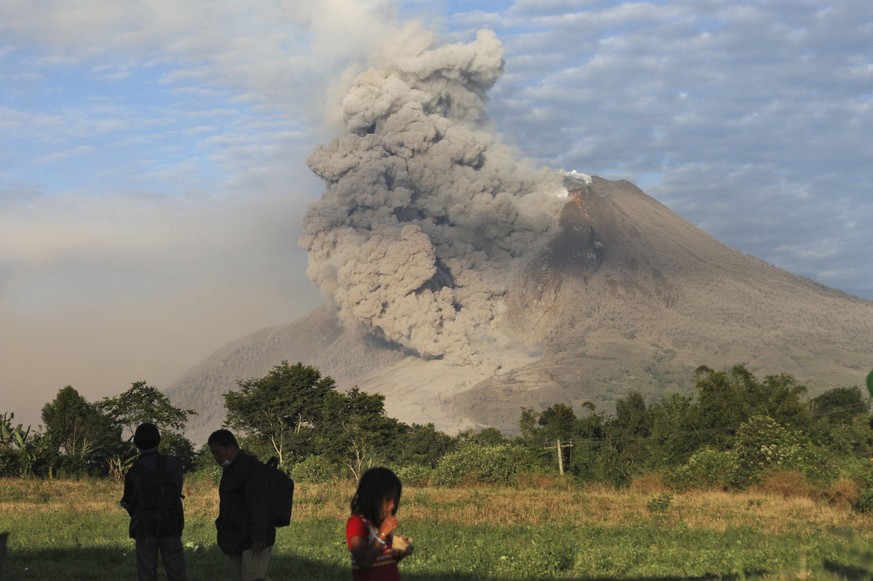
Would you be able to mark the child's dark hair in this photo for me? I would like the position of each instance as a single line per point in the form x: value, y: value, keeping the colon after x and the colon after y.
x: 375, y: 485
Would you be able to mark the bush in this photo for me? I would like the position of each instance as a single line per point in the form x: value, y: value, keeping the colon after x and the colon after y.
x: 414, y: 475
x: 843, y: 493
x: 707, y: 468
x: 8, y: 463
x: 786, y: 483
x: 315, y: 469
x: 865, y: 501
x: 859, y: 470
x: 659, y: 504
x: 489, y: 464
x: 764, y: 444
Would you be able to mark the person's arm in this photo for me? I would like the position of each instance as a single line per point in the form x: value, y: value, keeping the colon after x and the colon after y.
x: 366, y: 550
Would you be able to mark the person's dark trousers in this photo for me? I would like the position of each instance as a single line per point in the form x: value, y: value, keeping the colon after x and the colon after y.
x: 172, y: 553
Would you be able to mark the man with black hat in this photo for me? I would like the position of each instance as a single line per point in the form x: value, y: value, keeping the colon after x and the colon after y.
x: 153, y: 498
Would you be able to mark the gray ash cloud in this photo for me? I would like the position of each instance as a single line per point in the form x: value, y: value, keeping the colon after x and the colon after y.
x: 426, y: 215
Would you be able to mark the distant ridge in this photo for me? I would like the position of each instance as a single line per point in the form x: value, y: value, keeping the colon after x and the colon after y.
x: 628, y: 296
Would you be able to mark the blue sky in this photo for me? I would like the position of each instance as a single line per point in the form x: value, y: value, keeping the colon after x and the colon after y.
x: 153, y: 171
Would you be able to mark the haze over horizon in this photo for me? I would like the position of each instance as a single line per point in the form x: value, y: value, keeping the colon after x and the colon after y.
x: 154, y: 180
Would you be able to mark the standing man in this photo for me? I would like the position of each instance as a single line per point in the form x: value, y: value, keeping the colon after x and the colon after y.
x: 153, y: 499
x: 246, y: 533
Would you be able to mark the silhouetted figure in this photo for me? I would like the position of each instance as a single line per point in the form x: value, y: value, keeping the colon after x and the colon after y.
x: 153, y: 499
x: 246, y: 533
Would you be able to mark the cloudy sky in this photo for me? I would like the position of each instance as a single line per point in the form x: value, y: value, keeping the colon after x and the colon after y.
x: 153, y: 170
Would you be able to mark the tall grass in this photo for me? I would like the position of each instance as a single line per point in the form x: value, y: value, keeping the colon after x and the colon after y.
x: 544, y: 529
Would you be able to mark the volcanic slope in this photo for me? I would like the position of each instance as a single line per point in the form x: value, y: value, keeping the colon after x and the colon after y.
x: 628, y: 296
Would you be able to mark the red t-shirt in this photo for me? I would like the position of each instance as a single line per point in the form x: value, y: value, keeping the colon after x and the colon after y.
x: 385, y: 566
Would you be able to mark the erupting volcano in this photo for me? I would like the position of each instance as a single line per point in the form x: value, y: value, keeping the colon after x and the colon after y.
x: 464, y: 282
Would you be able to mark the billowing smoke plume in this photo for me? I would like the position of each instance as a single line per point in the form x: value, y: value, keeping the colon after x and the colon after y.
x: 426, y: 215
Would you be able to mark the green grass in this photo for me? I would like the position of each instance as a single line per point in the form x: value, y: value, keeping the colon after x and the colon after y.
x: 65, y: 538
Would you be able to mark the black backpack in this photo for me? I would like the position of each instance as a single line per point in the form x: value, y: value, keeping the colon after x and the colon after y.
x: 159, y: 500
x: 280, y: 488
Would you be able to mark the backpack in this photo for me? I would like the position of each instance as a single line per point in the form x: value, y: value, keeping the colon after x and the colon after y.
x: 280, y: 488
x: 159, y: 501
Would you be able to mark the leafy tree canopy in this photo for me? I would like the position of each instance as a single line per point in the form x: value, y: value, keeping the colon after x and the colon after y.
x: 84, y: 435
x: 281, y: 406
x: 144, y: 403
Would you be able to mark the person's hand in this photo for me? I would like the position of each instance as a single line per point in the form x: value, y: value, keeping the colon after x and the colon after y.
x: 258, y: 546
x: 387, y: 527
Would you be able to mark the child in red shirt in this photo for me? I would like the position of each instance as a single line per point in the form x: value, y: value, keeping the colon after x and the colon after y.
x: 370, y: 529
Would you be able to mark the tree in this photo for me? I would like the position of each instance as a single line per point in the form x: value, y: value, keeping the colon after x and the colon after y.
x: 280, y: 408
x: 144, y: 403
x: 15, y: 456
x: 84, y: 436
x: 356, y: 430
x: 424, y: 445
x: 484, y: 437
x: 675, y: 431
x: 726, y: 399
x: 839, y: 405
x: 629, y: 430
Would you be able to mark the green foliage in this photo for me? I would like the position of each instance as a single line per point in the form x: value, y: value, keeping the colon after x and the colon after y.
x: 500, y: 464
x: 706, y: 468
x: 414, y: 475
x: 865, y: 501
x: 17, y: 453
x: 840, y: 405
x: 859, y: 470
x: 145, y: 403
x: 314, y: 469
x: 356, y: 432
x: 726, y: 399
x: 764, y: 444
x: 660, y: 504
x: 83, y: 437
x: 674, y: 431
x: 422, y: 445
x: 629, y: 430
x: 281, y: 408
x: 484, y: 437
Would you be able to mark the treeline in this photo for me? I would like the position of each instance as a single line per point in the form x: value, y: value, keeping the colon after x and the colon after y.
x: 731, y: 431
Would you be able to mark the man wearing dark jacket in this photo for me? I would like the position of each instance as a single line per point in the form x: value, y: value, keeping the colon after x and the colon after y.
x: 245, y: 531
x: 153, y: 499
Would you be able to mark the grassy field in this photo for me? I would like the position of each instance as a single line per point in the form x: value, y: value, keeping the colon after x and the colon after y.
x: 65, y: 529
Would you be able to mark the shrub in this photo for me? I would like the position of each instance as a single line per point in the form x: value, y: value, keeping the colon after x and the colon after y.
x: 648, y: 483
x: 8, y: 463
x: 762, y: 444
x: 786, y: 483
x: 414, y: 475
x: 489, y: 464
x: 659, y: 504
x: 707, y: 468
x: 843, y: 493
x: 315, y: 469
x: 865, y: 501
x: 859, y: 470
